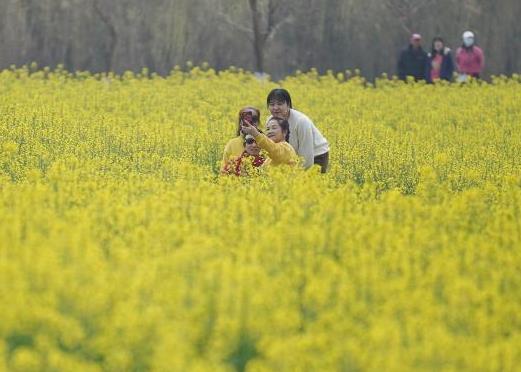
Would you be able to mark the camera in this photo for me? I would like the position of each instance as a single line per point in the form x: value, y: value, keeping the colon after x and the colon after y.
x: 247, y: 116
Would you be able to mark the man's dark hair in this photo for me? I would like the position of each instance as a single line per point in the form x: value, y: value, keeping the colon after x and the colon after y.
x: 280, y: 95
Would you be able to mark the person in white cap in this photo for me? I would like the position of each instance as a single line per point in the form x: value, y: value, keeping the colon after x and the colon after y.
x: 470, y: 59
x: 413, y: 60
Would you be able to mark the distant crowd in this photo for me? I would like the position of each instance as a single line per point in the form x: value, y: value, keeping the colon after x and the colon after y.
x: 438, y: 64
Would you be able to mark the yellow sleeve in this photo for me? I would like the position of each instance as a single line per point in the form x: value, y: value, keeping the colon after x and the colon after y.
x: 226, y: 155
x: 278, y: 152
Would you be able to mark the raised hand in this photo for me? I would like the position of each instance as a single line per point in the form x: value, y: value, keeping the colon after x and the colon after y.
x: 247, y: 128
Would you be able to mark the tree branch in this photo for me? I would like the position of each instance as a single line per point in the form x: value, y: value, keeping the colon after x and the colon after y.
x: 107, y: 21
x: 474, y: 8
x: 271, y: 33
x: 418, y: 5
x: 272, y: 10
x: 224, y: 17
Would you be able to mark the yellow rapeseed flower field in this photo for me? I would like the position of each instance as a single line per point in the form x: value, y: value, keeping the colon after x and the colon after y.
x: 122, y: 249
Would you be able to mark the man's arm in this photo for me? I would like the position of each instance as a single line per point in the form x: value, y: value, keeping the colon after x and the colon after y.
x: 306, y: 145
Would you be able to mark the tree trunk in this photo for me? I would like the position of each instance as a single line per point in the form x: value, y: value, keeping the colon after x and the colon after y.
x: 259, y: 40
x: 113, y: 36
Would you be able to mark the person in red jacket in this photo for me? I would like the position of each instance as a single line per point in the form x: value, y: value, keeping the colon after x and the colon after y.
x: 470, y: 59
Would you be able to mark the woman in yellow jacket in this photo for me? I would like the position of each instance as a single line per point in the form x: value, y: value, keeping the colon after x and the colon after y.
x: 235, y: 147
x: 274, y: 142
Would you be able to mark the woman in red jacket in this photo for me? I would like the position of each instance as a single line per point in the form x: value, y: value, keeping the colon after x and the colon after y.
x: 470, y: 59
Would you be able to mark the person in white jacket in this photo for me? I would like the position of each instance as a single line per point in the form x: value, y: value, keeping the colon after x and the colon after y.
x: 304, y: 136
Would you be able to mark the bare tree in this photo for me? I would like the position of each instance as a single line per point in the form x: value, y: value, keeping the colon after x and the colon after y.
x: 267, y: 17
x: 275, y: 36
x: 112, y: 34
x: 406, y: 11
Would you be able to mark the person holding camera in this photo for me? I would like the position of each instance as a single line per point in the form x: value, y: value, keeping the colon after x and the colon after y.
x: 274, y: 142
x: 236, y: 146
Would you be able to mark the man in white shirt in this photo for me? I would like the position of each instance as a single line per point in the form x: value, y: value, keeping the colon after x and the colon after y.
x: 304, y: 136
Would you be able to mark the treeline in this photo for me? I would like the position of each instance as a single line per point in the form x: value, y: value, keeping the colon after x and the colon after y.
x: 274, y: 36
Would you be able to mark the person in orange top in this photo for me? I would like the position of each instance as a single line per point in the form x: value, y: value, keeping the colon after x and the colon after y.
x: 274, y: 142
x: 235, y: 147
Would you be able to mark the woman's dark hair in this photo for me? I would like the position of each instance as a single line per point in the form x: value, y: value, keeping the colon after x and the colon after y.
x: 247, y: 108
x: 283, y: 124
x: 280, y: 95
x: 433, y: 50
